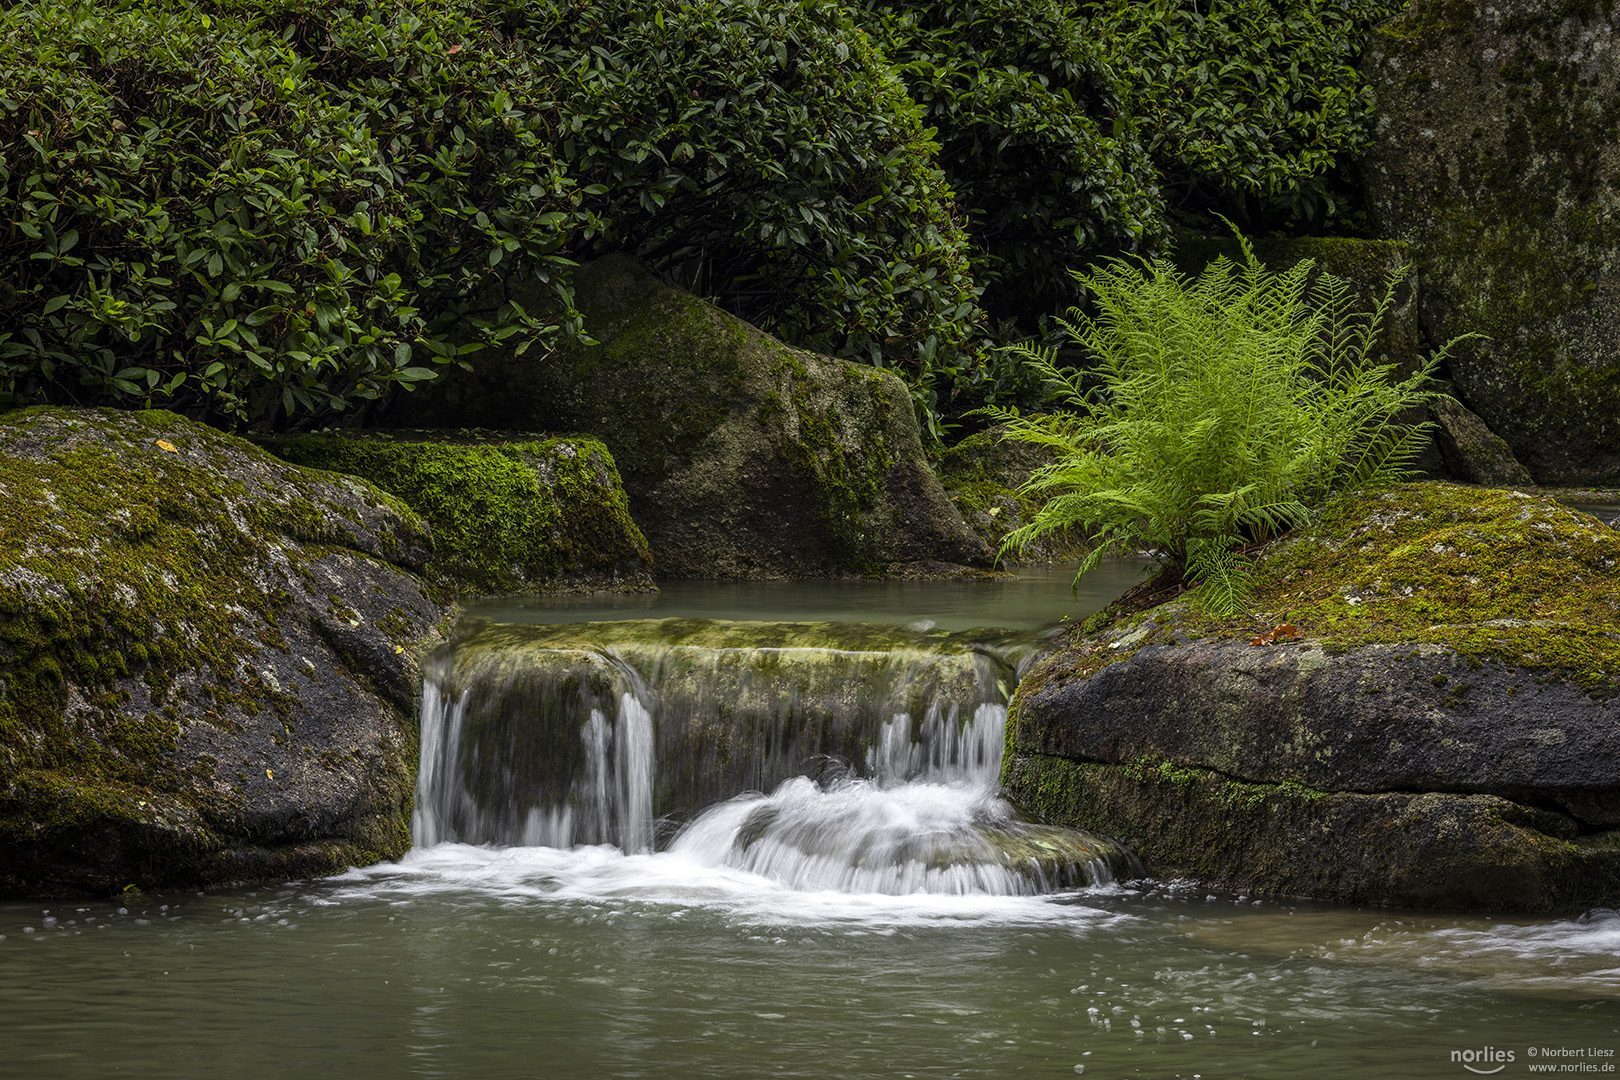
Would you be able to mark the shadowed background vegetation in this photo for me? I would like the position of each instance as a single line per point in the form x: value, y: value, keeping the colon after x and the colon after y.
x: 266, y: 214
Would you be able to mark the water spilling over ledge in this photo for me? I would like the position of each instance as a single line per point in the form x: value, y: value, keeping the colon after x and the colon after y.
x: 880, y: 747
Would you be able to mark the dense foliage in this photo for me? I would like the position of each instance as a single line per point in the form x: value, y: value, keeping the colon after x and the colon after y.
x: 1229, y: 407
x: 1247, y: 106
x: 253, y: 216
x: 266, y: 212
x: 1034, y: 139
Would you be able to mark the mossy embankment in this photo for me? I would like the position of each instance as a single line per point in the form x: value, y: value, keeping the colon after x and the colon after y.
x: 207, y: 660
x: 1436, y: 716
x: 509, y: 513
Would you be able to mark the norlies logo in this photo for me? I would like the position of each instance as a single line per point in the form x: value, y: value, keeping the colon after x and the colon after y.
x: 1484, y: 1062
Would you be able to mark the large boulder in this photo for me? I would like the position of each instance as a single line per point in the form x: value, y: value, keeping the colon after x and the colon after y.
x: 207, y: 660
x: 1435, y: 724
x: 1497, y: 157
x: 510, y: 514
x: 742, y: 457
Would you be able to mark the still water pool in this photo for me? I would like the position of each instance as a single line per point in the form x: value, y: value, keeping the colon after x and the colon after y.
x: 534, y: 962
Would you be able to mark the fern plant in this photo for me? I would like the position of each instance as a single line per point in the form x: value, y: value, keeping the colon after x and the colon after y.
x: 1221, y: 411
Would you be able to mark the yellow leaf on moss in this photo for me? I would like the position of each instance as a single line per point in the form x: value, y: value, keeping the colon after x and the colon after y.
x: 165, y: 444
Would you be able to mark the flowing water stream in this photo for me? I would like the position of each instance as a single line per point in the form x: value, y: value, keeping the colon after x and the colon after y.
x: 666, y: 845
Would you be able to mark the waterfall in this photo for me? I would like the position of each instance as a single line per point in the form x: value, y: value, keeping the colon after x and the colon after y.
x: 879, y: 752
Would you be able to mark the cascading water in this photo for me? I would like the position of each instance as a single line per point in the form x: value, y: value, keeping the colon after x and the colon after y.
x: 881, y: 751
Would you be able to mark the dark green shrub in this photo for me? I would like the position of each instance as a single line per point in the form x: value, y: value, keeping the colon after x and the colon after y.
x: 763, y: 151
x: 258, y: 215
x: 1033, y: 137
x: 267, y: 212
x: 1245, y: 105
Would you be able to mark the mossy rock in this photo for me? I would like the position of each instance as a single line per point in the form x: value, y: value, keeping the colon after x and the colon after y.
x: 742, y: 457
x: 1496, y: 158
x: 983, y: 476
x: 736, y: 706
x: 1451, y: 641
x: 207, y: 660
x: 1473, y: 452
x: 509, y: 514
x: 1424, y: 850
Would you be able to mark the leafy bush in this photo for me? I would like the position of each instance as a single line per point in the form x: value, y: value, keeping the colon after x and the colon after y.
x: 269, y: 212
x: 1244, y: 101
x: 257, y: 216
x: 767, y: 153
x: 1033, y: 137
x: 265, y: 212
x: 1229, y: 406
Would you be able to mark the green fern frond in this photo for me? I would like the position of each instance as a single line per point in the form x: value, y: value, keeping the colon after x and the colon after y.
x: 1225, y: 577
x: 1222, y: 408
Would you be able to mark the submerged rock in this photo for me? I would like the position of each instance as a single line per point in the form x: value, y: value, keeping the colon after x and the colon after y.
x: 207, y: 659
x: 743, y: 458
x: 1497, y: 158
x: 509, y: 513
x: 1443, y: 731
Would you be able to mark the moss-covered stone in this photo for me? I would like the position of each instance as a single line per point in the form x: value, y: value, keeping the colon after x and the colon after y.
x: 1498, y: 158
x: 1427, y: 850
x: 1473, y: 452
x: 1444, y: 640
x: 207, y: 658
x: 983, y: 476
x: 736, y: 706
x: 742, y: 457
x: 509, y: 514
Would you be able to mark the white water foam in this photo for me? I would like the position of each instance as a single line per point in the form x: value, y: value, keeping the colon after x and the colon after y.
x: 671, y: 881
x: 924, y: 819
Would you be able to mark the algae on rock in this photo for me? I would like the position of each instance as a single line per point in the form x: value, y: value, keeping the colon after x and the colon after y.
x: 207, y: 660
x: 742, y: 457
x: 735, y: 707
x: 1497, y: 157
x: 1444, y: 720
x: 509, y: 513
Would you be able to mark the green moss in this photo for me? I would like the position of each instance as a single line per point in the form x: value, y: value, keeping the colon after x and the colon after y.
x: 508, y: 514
x: 720, y: 634
x: 120, y: 558
x: 844, y: 478
x: 1493, y: 575
x: 1424, y: 20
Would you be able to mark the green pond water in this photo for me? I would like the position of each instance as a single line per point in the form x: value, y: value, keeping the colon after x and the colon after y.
x: 1034, y: 597
x: 783, y: 933
x: 476, y: 962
